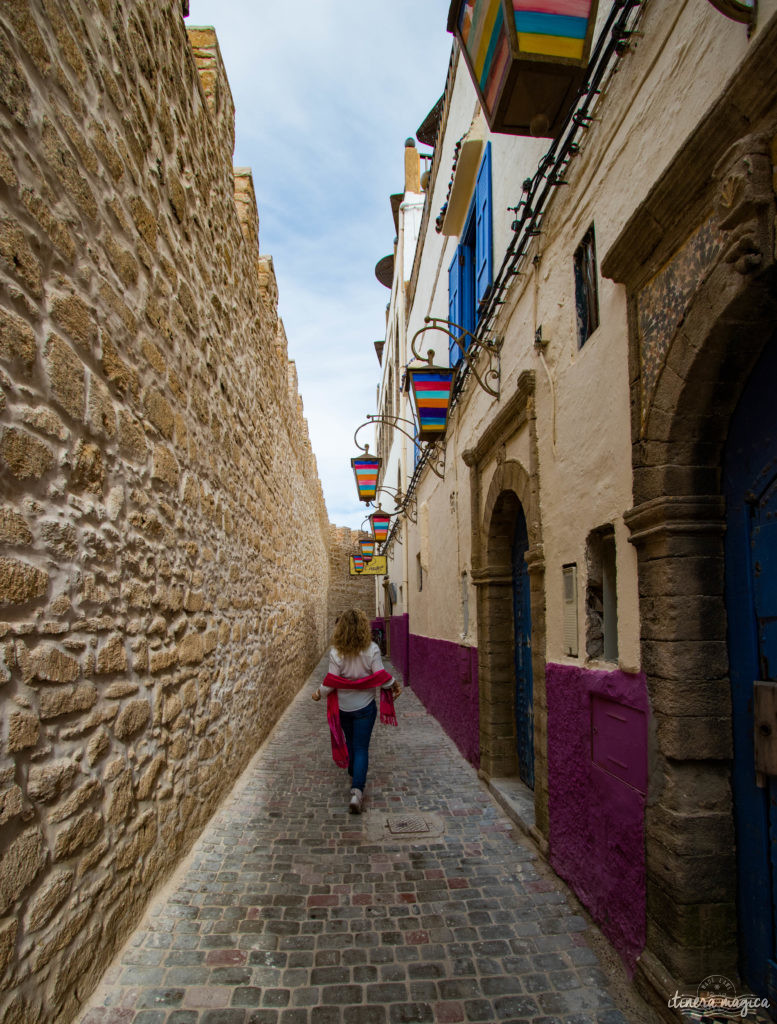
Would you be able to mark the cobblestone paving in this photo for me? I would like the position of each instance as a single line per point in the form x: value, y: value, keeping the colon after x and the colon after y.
x: 291, y: 911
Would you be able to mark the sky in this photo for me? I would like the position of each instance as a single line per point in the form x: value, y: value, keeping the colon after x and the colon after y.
x: 325, y: 95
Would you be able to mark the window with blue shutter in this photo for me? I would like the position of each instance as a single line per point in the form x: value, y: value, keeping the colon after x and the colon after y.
x: 483, y: 229
x: 470, y: 272
x: 454, y: 304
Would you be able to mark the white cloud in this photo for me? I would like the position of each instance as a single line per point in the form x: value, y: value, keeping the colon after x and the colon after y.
x: 325, y: 96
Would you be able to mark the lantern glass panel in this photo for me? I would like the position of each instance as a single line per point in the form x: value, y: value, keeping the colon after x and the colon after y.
x: 552, y: 28
x: 366, y: 469
x: 380, y: 526
x: 432, y: 388
x: 483, y: 33
x: 367, y: 548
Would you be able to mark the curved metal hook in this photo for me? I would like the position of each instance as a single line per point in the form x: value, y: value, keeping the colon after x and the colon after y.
x: 469, y: 351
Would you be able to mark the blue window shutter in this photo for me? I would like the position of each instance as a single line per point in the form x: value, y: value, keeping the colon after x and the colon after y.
x: 454, y: 303
x: 483, y: 228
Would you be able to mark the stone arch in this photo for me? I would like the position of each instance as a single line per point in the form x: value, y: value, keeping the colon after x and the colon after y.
x: 680, y: 425
x: 511, y: 487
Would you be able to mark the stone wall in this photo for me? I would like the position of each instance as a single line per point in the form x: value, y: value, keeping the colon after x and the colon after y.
x: 157, y: 484
x: 346, y: 591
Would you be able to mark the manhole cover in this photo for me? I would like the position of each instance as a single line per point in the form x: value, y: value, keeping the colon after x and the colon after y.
x: 402, y: 824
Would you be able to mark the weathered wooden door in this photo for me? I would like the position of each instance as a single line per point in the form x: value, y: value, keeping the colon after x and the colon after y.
x: 750, y: 475
x: 524, y: 697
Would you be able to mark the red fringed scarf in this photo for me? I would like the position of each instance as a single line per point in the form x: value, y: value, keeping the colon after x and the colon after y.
x: 387, y: 714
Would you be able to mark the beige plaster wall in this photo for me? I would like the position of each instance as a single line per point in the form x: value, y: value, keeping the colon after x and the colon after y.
x: 677, y: 68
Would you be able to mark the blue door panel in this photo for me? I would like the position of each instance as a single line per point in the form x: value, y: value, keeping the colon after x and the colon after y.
x: 524, y: 683
x: 751, y: 603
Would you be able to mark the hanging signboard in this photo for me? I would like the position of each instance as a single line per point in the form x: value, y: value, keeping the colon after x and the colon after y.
x: 375, y: 567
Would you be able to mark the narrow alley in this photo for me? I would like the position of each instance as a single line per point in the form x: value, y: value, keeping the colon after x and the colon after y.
x: 427, y: 907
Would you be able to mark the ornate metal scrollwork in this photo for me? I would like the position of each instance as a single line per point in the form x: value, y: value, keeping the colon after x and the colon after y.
x: 471, y: 347
x: 373, y: 418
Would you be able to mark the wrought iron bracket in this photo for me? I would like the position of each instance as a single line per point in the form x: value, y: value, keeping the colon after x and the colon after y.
x: 373, y: 418
x: 403, y: 505
x: 471, y: 348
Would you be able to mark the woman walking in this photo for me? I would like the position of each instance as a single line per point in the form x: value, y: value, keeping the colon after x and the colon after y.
x: 355, y: 673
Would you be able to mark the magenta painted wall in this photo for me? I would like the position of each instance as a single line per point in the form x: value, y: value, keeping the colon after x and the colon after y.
x: 398, y: 632
x: 444, y: 676
x: 597, y: 820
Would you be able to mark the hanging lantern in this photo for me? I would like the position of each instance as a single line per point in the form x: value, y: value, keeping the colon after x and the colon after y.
x: 527, y: 58
x: 367, y: 549
x: 432, y: 389
x: 366, y: 469
x: 358, y: 562
x: 379, y: 521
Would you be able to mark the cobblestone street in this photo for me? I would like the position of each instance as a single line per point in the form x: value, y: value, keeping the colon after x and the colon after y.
x: 290, y: 910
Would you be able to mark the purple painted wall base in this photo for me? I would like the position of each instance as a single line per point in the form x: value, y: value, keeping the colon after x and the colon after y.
x: 597, y: 776
x: 444, y: 676
x: 399, y: 628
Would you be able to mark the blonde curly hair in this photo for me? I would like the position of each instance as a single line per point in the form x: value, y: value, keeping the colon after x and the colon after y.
x: 352, y: 632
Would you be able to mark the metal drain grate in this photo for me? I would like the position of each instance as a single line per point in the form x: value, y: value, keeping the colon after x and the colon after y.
x: 402, y: 824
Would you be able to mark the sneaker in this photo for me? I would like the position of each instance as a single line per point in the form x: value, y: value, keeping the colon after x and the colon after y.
x: 355, y: 806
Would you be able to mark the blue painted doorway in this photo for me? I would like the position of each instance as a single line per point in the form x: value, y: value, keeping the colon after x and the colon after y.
x: 750, y: 487
x: 524, y: 696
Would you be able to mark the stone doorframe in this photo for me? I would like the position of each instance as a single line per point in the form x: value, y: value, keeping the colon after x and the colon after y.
x: 492, y: 535
x: 686, y: 379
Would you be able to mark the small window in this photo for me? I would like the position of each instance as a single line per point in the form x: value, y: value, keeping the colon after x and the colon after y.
x: 569, y: 576
x: 601, y: 639
x: 586, y: 288
x: 420, y: 570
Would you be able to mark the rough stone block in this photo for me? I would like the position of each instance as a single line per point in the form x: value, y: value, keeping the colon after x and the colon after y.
x: 17, y: 341
x: 21, y: 863
x: 191, y: 650
x: 112, y: 656
x: 132, y: 718
x: 48, y: 899
x: 11, y: 804
x: 18, y: 257
x: 46, y: 782
x: 23, y: 731
x: 88, y: 472
x: 73, y: 316
x: 14, y: 528
x: 159, y: 412
x: 66, y: 700
x: 65, y: 373
x: 8, y: 930
x: 78, y: 835
x: 52, y: 665
x: 165, y: 467
x: 26, y: 456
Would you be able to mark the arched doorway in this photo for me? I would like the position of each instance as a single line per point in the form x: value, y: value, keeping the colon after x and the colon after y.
x: 750, y: 486
x: 511, y: 625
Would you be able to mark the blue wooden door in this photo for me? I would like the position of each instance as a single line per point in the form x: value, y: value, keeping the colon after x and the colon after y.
x: 750, y: 484
x: 524, y: 700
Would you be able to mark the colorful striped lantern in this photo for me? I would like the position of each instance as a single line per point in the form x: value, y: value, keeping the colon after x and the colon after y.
x: 527, y: 58
x: 379, y: 521
x: 367, y: 549
x: 366, y: 469
x: 432, y: 389
x: 358, y: 563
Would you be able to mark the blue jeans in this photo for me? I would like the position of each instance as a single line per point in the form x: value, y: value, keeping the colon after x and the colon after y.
x: 357, y: 727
